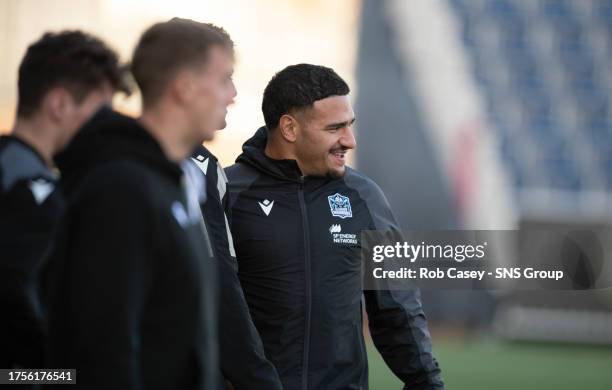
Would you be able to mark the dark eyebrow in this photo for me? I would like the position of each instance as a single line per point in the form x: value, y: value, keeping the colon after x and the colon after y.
x: 340, y: 125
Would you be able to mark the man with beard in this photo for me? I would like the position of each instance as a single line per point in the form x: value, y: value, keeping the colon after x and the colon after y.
x: 290, y: 192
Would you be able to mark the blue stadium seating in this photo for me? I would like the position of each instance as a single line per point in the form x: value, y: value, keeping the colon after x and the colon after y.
x: 547, y: 63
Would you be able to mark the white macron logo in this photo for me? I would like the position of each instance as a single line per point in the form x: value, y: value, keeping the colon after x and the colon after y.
x: 266, y: 206
x: 201, y: 163
x: 41, y: 189
x: 335, y: 229
x: 180, y: 214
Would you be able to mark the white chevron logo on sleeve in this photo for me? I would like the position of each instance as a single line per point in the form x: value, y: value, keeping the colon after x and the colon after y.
x: 41, y: 189
x: 266, y: 206
x: 201, y: 163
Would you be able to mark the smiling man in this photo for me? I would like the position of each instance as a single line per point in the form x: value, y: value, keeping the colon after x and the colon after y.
x: 297, y: 215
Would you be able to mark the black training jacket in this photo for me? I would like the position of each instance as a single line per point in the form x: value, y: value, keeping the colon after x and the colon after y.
x: 297, y: 244
x: 241, y: 352
x: 30, y: 209
x: 131, y: 288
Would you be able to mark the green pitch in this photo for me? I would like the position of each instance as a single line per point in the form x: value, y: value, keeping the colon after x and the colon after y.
x: 510, y: 366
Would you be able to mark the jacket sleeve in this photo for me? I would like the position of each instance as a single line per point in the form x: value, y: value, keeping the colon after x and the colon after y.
x: 26, y: 234
x: 108, y: 262
x: 243, y: 362
x: 397, y: 322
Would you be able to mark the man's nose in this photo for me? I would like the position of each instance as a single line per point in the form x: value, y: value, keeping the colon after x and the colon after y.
x: 348, y: 138
x: 233, y: 93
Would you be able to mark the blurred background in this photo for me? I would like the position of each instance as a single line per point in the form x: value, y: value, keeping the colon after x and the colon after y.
x: 472, y: 114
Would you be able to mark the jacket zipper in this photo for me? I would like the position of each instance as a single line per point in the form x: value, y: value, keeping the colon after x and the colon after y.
x: 305, y: 227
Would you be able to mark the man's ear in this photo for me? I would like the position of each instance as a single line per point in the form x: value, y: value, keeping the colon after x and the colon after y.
x: 181, y: 88
x: 57, y: 103
x: 288, y: 127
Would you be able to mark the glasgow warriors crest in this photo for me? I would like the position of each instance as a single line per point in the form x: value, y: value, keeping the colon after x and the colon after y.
x: 340, y: 206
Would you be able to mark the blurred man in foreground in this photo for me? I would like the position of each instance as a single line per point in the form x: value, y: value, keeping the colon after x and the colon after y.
x: 64, y: 78
x: 242, y: 359
x: 132, y: 286
x: 290, y: 194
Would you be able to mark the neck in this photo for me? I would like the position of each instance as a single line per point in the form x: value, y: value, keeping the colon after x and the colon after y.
x: 170, y: 130
x: 277, y: 149
x: 40, y: 137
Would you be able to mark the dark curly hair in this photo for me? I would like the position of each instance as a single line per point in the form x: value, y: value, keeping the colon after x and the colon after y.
x: 72, y: 59
x: 297, y: 87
